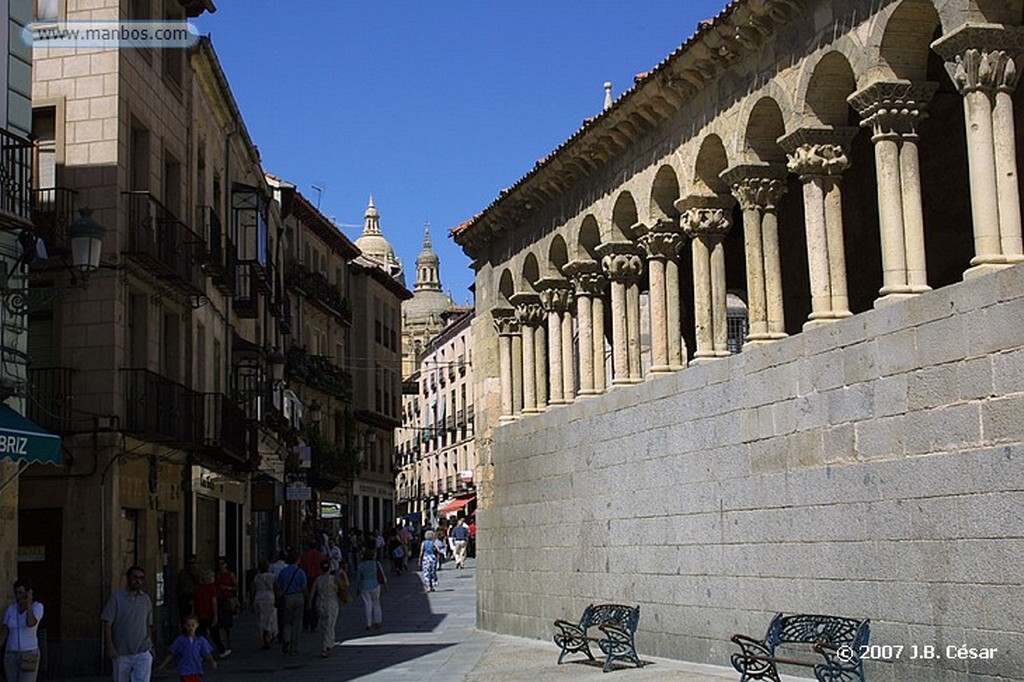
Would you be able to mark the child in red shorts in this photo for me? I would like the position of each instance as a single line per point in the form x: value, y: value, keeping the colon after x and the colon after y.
x: 190, y: 649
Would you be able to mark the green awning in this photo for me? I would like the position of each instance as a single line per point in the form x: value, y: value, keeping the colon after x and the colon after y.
x: 23, y: 439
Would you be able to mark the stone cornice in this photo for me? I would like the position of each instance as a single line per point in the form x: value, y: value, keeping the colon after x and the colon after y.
x: 738, y: 31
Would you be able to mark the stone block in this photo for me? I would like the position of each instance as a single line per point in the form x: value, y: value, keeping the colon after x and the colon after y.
x: 943, y: 429
x: 860, y: 362
x: 933, y: 387
x: 1003, y: 419
x: 1008, y: 371
x: 941, y: 341
x: 850, y: 403
x: 839, y: 444
x: 880, y: 438
x: 897, y: 352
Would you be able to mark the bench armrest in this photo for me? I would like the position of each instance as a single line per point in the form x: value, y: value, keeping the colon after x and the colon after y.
x: 752, y: 647
x: 616, y: 633
x: 570, y: 629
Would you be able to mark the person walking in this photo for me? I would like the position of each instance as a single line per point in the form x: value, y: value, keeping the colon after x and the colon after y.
x: 428, y: 560
x: 188, y: 578
x: 460, y: 541
x: 190, y: 649
x: 227, y: 599
x: 292, y: 591
x: 263, y: 604
x: 128, y: 629
x: 368, y: 583
x: 18, y: 634
x: 328, y: 590
x: 309, y: 562
x: 204, y: 605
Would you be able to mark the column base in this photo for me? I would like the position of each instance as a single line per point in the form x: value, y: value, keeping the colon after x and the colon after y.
x: 587, y: 392
x: 659, y: 369
x: 676, y: 368
x: 985, y: 264
x: 763, y: 339
x: 532, y: 410
x: 506, y: 419
x: 894, y: 297
x: 704, y: 359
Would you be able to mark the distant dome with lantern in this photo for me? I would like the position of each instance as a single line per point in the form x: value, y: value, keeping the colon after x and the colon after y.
x: 373, y: 243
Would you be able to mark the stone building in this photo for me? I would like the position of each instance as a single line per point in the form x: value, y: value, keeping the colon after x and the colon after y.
x: 428, y: 311
x: 378, y: 293
x: 848, y: 172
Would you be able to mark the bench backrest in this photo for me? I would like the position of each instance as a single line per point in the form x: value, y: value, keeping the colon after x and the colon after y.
x: 812, y: 629
x: 620, y: 614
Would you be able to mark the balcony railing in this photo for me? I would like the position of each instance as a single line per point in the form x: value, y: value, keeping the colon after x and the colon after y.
x: 248, y: 286
x: 158, y: 408
x: 164, y: 244
x: 318, y: 371
x: 226, y: 428
x: 49, y: 398
x: 53, y: 209
x: 222, y: 256
x: 15, y: 180
x: 320, y: 291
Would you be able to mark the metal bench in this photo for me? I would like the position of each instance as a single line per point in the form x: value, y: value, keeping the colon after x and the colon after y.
x: 617, y: 624
x: 839, y: 642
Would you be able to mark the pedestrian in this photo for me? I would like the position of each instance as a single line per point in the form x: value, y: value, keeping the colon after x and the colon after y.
x: 227, y: 601
x: 291, y: 588
x: 18, y: 634
x: 329, y: 589
x: 128, y: 629
x: 334, y: 555
x: 441, y: 543
x: 428, y: 559
x: 190, y: 649
x: 278, y: 563
x: 309, y: 562
x: 369, y: 582
x: 188, y: 578
x: 405, y: 537
x: 460, y: 541
x: 263, y: 604
x: 204, y: 606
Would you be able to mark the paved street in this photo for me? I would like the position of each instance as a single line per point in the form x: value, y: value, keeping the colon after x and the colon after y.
x: 425, y: 636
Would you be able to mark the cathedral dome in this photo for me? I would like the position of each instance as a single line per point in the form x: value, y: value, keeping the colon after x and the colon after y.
x: 373, y: 243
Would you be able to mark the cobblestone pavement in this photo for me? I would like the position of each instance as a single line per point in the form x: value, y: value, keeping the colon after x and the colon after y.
x: 426, y: 636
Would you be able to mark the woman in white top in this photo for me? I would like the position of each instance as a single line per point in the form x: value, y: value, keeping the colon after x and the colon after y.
x: 19, y: 628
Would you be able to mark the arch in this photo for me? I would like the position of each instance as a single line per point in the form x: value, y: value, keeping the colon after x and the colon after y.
x: 589, y: 239
x: 506, y: 286
x: 558, y: 254
x: 664, y: 193
x: 531, y: 270
x: 995, y: 12
x: 624, y: 217
x: 831, y: 82
x: 907, y: 38
x: 764, y: 127
x: 711, y: 161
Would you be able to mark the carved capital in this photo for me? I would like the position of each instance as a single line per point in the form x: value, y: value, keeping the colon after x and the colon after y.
x: 894, y: 108
x: 505, y: 321
x: 706, y: 216
x: 983, y: 56
x: 555, y: 295
x: 757, y: 185
x: 621, y: 261
x: 528, y: 310
x: 662, y: 244
x: 587, y: 277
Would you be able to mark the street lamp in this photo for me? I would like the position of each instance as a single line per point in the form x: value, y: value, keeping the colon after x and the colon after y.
x: 315, y: 409
x: 276, y: 361
x: 86, y: 237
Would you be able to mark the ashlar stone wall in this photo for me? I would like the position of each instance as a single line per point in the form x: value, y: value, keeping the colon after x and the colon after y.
x: 869, y: 468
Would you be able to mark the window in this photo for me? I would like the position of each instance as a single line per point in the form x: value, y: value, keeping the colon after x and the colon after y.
x: 47, y: 10
x: 735, y: 323
x: 172, y: 184
x: 138, y: 151
x: 44, y: 128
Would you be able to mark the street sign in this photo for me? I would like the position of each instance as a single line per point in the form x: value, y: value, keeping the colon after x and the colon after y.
x: 298, y: 493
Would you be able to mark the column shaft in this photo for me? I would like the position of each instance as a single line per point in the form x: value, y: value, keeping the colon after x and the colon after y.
x: 517, y: 374
x: 773, y: 274
x: 718, y: 297
x: 620, y: 350
x: 890, y: 213
x: 833, y: 201
x: 913, y: 215
x: 702, y: 303
x: 673, y: 316
x: 600, y: 371
x: 980, y: 158
x: 540, y: 347
x: 659, y: 315
x: 568, y: 375
x: 1006, y: 176
x: 584, y: 312
x: 529, y: 370
x: 633, y: 330
x: 817, y: 248
x: 505, y: 370
x: 555, y: 355
x: 757, y: 304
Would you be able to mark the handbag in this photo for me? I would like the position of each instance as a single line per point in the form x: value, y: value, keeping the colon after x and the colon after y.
x: 381, y: 578
x: 344, y: 596
x: 28, y: 661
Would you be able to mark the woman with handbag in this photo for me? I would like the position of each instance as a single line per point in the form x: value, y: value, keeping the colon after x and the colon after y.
x: 368, y: 584
x: 21, y: 623
x: 328, y: 590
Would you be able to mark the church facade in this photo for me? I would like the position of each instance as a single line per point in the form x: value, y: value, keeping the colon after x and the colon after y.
x: 847, y: 173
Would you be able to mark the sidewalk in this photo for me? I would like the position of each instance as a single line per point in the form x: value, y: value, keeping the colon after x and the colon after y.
x: 425, y: 636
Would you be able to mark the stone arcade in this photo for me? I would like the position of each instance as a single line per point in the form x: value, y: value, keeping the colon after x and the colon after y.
x: 848, y: 170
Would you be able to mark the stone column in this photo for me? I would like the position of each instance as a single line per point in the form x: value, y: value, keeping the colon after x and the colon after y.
x: 984, y: 62
x: 531, y: 316
x: 758, y: 188
x: 893, y: 111
x: 555, y: 298
x: 706, y: 219
x: 568, y: 366
x: 540, y: 345
x: 507, y: 326
x: 662, y: 243
x: 622, y: 264
x: 819, y: 157
x: 590, y: 286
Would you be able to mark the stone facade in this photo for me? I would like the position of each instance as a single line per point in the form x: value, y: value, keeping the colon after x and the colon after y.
x: 841, y: 168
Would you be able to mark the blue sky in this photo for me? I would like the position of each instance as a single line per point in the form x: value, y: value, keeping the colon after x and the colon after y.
x: 434, y: 107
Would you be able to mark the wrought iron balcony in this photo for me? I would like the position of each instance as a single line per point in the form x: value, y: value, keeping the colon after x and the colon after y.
x: 319, y: 290
x: 53, y: 209
x: 49, y: 398
x: 226, y: 428
x: 163, y: 244
x: 222, y: 257
x: 160, y: 409
x: 15, y: 181
x: 249, y: 284
x: 318, y: 371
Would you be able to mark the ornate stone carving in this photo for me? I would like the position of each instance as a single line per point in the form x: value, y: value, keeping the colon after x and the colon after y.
x: 662, y: 244
x: 621, y: 261
x: 529, y: 310
x: 706, y: 222
x: 555, y: 295
x: 818, y: 151
x: 505, y: 321
x: 587, y: 277
x: 982, y: 56
x: 893, y: 108
x: 756, y: 185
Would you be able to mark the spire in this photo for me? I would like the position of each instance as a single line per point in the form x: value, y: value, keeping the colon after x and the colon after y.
x: 371, y: 224
x: 607, y: 95
x: 428, y: 265
x: 427, y: 245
